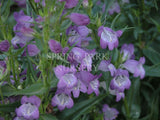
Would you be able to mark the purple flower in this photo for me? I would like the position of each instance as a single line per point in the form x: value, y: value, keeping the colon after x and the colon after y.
x: 1, y: 118
x: 127, y: 51
x: 22, y: 19
x: 108, y: 37
x: 78, y: 35
x: 3, y: 68
x: 89, y: 80
x: 55, y: 46
x: 94, y: 85
x: 28, y: 32
x: 66, y: 76
x: 39, y: 20
x: 21, y: 40
x: 135, y: 67
x: 36, y: 1
x: 79, y: 19
x: 19, y: 118
x: 121, y: 81
x: 65, y: 50
x: 32, y: 50
x: 83, y: 31
x: 119, y: 95
x: 32, y: 99
x: 79, y: 87
x: 71, y: 3
x: 114, y: 8
x: 107, y: 66
x: 4, y: 46
x: 62, y: 100
x: 29, y: 107
x: 109, y: 113
x: 82, y: 57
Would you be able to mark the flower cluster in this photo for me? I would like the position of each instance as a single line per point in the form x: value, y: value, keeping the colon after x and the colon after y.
x: 32, y: 43
x: 71, y: 81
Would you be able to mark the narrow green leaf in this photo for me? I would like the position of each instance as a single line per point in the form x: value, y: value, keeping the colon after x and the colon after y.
x: 153, y: 71
x: 34, y: 89
x: 152, y: 55
x: 47, y: 117
x: 9, y: 107
x: 80, y: 108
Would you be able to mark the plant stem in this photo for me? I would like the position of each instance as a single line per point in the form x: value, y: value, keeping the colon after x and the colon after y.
x: 127, y: 108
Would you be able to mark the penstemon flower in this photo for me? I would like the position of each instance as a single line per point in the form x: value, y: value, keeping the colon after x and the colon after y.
x: 127, y: 51
x: 4, y: 46
x: 121, y: 81
x: 55, y: 46
x: 108, y: 37
x: 79, y: 19
x: 29, y: 107
x: 109, y: 113
x: 66, y: 76
x: 135, y: 67
x: 62, y: 100
x: 114, y: 8
x: 105, y: 66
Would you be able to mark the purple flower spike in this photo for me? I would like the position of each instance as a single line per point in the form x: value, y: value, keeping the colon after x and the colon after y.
x: 114, y: 8
x: 79, y: 19
x: 135, y: 67
x: 66, y: 76
x: 55, y: 46
x: 121, y: 81
x: 108, y: 37
x: 107, y: 66
x: 62, y: 100
x: 4, y: 46
x: 32, y: 50
x: 127, y: 51
x: 109, y: 113
x: 29, y: 107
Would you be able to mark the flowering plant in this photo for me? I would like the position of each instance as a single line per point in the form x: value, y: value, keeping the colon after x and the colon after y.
x: 78, y: 59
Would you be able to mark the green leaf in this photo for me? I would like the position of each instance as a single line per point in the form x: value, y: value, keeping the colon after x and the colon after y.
x: 134, y: 99
x: 47, y: 117
x: 153, y: 71
x: 152, y: 55
x: 9, y: 107
x: 80, y: 108
x: 34, y: 89
x: 114, y: 20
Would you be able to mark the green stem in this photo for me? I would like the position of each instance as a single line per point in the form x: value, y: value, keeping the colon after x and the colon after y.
x: 127, y: 108
x: 1, y: 95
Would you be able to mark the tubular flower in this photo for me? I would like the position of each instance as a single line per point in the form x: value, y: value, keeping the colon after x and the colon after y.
x: 29, y: 107
x: 109, y: 113
x: 108, y: 37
